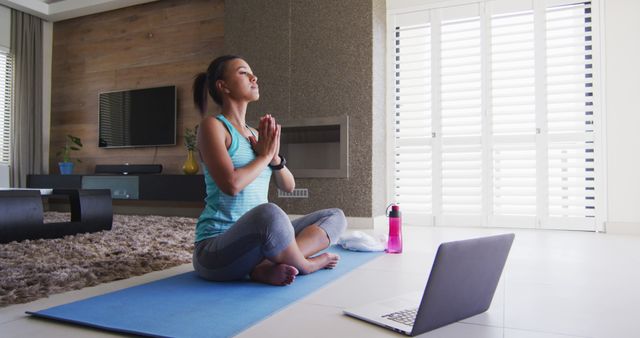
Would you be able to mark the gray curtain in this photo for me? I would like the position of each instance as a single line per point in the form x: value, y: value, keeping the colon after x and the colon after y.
x: 26, y: 143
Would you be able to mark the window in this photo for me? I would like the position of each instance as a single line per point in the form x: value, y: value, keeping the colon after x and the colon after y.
x: 6, y: 66
x: 495, y: 117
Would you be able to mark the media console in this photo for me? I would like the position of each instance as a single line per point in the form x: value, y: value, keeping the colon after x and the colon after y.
x: 187, y: 188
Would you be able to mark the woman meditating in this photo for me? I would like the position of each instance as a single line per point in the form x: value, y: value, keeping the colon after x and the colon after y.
x: 239, y: 233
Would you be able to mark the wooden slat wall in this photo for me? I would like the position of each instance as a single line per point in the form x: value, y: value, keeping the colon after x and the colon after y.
x: 160, y: 43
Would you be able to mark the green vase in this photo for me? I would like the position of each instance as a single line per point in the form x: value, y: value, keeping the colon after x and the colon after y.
x: 190, y: 166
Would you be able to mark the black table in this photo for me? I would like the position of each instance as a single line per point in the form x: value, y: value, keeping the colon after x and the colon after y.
x: 22, y: 215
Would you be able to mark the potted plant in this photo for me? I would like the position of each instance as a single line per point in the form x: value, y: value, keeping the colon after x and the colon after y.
x: 71, y: 143
x: 190, y: 166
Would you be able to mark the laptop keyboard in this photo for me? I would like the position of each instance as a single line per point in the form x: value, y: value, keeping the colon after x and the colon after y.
x: 407, y: 317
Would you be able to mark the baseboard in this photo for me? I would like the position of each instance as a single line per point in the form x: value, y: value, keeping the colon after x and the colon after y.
x: 359, y: 222
x: 623, y: 228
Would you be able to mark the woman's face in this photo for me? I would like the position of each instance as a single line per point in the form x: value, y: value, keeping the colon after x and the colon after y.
x: 239, y: 82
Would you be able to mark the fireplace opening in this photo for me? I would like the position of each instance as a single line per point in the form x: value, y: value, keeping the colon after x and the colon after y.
x: 316, y: 147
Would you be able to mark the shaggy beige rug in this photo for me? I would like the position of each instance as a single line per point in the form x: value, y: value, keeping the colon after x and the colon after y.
x: 135, y: 245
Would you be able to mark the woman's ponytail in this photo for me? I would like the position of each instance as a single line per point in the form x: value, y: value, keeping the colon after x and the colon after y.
x: 200, y: 90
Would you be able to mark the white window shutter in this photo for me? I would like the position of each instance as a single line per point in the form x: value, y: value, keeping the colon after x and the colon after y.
x: 461, y: 119
x: 513, y: 119
x: 6, y: 69
x: 494, y: 114
x: 413, y: 130
x: 570, y: 116
x: 513, y: 74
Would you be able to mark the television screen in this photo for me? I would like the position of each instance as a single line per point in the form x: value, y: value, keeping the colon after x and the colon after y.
x: 138, y: 118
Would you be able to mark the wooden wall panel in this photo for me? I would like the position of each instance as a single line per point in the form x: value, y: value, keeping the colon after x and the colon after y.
x: 160, y: 43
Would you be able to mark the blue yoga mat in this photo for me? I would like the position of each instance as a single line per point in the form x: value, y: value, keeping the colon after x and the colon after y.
x: 188, y: 306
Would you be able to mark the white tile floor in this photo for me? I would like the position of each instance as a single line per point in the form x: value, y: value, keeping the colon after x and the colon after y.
x: 556, y: 284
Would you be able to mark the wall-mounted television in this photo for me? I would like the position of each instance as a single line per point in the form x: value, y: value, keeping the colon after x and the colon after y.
x: 138, y: 118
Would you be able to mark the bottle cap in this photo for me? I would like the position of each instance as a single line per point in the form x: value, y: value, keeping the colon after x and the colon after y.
x: 395, y: 211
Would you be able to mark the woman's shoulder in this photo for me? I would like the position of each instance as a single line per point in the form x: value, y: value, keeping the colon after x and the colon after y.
x: 213, y: 125
x: 211, y: 121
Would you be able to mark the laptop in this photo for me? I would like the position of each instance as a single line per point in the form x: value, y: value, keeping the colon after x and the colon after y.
x: 463, y: 280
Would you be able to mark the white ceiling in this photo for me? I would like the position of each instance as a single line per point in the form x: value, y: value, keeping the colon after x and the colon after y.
x: 56, y: 10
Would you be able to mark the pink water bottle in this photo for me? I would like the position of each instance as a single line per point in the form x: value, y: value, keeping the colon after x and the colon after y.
x: 394, y: 244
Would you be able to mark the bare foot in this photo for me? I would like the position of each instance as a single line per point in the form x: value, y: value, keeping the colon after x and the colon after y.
x: 274, y: 274
x: 323, y: 261
x: 333, y: 261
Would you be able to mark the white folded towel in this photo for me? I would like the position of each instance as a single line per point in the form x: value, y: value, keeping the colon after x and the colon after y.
x: 360, y: 241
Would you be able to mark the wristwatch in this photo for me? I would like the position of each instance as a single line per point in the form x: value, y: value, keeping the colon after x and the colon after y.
x: 283, y: 161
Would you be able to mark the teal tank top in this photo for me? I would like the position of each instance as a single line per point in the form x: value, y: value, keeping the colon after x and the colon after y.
x: 222, y: 210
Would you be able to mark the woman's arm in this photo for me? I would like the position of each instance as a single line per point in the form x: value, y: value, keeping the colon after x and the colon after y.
x: 284, y: 177
x: 212, y: 136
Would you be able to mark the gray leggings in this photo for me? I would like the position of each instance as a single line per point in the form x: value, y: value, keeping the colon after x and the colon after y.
x: 262, y: 232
